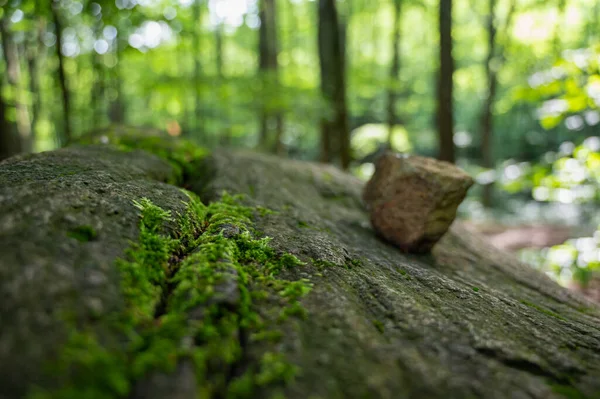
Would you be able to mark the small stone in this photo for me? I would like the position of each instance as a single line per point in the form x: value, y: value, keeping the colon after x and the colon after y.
x: 413, y: 200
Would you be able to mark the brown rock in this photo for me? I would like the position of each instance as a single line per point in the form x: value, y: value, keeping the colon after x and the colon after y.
x: 413, y: 200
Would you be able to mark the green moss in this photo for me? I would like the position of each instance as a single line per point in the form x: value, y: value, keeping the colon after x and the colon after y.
x: 83, y: 233
x: 302, y: 224
x: 180, y: 153
x: 275, y: 369
x: 568, y: 391
x: 587, y: 310
x: 352, y: 263
x: 305, y: 225
x: 86, y: 369
x: 262, y: 211
x: 189, y: 295
x: 405, y: 274
x: 543, y: 310
x: 379, y: 326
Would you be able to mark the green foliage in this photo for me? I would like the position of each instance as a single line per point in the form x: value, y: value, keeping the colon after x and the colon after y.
x: 567, y: 90
x: 571, y: 176
x: 578, y: 258
x: 165, y: 57
x: 367, y: 138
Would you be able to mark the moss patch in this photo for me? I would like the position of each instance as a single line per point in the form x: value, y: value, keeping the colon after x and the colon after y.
x: 568, y: 391
x: 379, y: 326
x: 202, y: 292
x: 542, y: 310
x: 180, y: 153
x: 82, y: 233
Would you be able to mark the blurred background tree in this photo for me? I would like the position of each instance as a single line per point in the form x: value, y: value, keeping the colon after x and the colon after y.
x: 508, y: 89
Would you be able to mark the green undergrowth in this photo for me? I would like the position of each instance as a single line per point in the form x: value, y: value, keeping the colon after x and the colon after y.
x: 204, y: 294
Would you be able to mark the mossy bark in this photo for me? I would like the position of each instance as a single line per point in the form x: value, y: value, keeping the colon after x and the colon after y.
x: 466, y: 321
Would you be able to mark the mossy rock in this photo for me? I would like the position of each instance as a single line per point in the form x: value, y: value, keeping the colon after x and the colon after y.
x: 117, y: 283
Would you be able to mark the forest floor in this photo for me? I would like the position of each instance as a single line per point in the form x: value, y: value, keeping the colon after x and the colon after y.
x: 515, y: 238
x: 536, y: 237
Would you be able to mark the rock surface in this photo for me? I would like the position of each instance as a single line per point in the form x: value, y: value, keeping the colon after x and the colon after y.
x: 466, y: 321
x: 413, y: 200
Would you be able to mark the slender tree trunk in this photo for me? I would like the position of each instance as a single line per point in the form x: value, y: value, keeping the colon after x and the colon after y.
x: 196, y: 51
x: 445, y: 114
x: 62, y: 75
x: 219, y: 57
x: 13, y: 68
x: 493, y: 64
x: 118, y: 111
x: 34, y: 57
x: 487, y: 112
x: 394, y: 72
x: 9, y: 139
x: 264, y: 66
x: 268, y: 71
x: 335, y: 138
x: 98, y: 89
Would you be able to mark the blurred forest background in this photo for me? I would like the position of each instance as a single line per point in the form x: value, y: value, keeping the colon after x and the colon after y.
x: 508, y: 89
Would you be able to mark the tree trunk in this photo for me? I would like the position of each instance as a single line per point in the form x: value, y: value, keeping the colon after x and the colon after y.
x: 224, y: 95
x: 394, y: 72
x: 445, y: 113
x: 487, y: 148
x: 13, y: 72
x: 98, y: 93
x: 196, y: 54
x: 271, y: 121
x: 117, y: 108
x: 335, y: 136
x: 35, y: 54
x: 105, y: 295
x: 9, y: 140
x: 493, y: 64
x: 66, y: 137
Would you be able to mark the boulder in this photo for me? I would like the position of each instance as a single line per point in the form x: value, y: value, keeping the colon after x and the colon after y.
x: 116, y: 283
